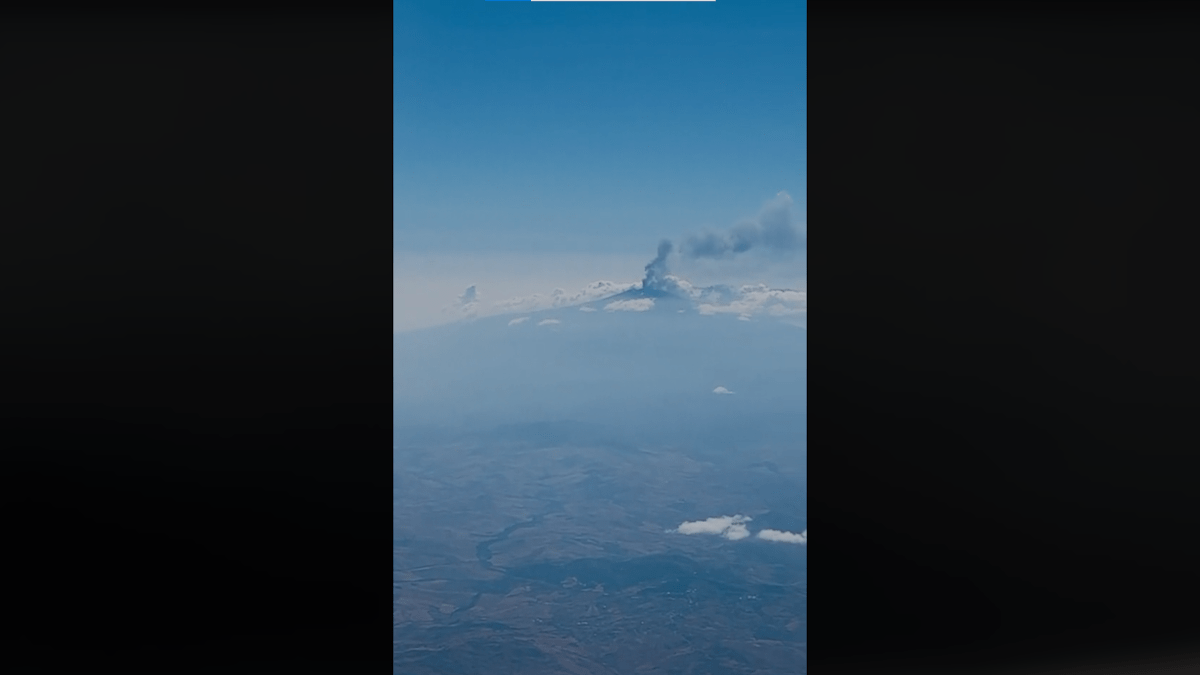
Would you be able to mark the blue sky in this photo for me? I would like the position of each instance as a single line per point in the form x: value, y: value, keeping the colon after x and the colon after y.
x: 589, y: 128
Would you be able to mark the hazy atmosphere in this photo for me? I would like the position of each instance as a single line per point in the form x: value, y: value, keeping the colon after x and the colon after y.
x: 600, y: 317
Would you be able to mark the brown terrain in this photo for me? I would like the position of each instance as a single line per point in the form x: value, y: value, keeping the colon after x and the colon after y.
x: 513, y: 558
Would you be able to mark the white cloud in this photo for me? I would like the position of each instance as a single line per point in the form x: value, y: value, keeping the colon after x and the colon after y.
x: 468, y: 304
x: 587, y: 309
x: 519, y: 320
x: 735, y: 532
x: 639, y: 305
x: 788, y: 537
x: 734, y: 528
x: 744, y: 317
x: 549, y: 322
x: 730, y: 527
x: 722, y: 390
x: 468, y: 296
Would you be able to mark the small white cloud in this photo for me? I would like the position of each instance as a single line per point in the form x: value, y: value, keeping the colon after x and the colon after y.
x: 587, y: 309
x: 723, y: 390
x: 639, y: 305
x: 743, y: 318
x: 787, y: 537
x: 549, y: 322
x: 522, y: 319
x: 730, y: 527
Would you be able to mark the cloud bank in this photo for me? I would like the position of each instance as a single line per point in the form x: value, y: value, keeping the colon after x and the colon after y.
x: 786, y: 537
x: 751, y: 300
x: 745, y: 301
x: 597, y: 290
x: 468, y: 304
x: 638, y: 305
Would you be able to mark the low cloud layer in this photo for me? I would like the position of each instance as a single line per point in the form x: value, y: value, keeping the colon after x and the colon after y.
x: 597, y: 290
x: 783, y: 536
x: 750, y: 300
x: 470, y: 303
x: 729, y: 527
x: 745, y: 301
x: 638, y: 305
x: 427, y: 287
x: 775, y: 228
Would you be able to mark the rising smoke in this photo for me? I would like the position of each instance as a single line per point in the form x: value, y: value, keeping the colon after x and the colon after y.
x: 775, y: 229
x: 656, y: 270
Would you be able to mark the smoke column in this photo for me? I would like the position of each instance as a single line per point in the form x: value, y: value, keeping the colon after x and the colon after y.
x: 656, y: 270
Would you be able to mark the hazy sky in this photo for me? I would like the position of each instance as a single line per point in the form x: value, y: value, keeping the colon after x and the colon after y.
x: 552, y: 141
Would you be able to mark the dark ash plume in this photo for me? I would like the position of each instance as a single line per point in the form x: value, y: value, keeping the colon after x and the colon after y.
x: 774, y: 229
x: 656, y: 270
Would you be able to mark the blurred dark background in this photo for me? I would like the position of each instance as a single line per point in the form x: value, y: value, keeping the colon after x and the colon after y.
x: 1004, y: 383
x: 191, y: 198
x: 1004, y: 379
